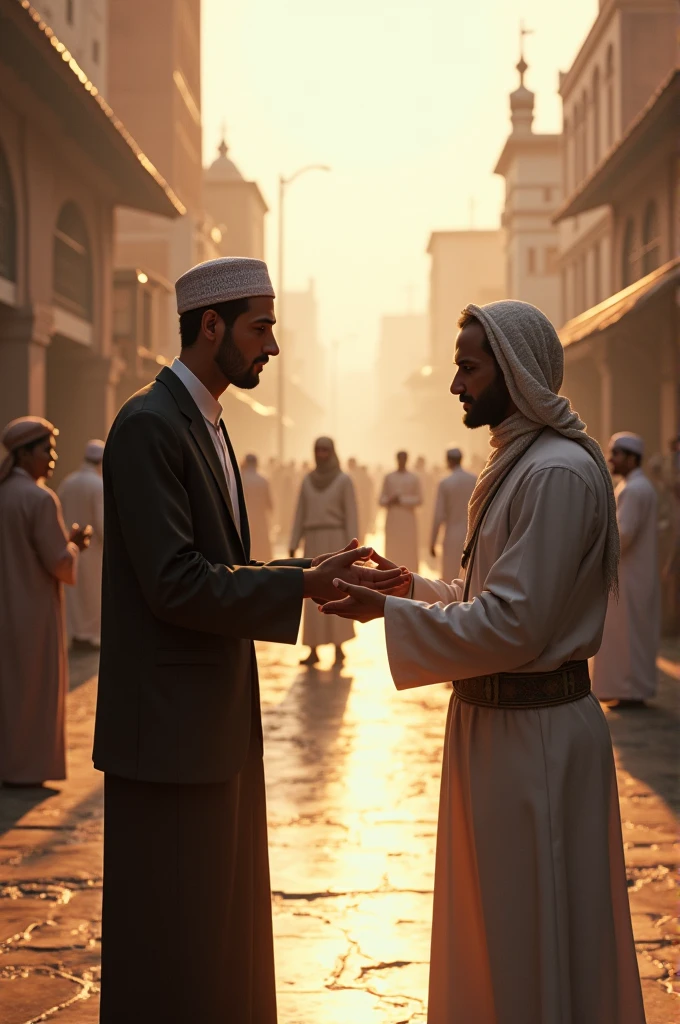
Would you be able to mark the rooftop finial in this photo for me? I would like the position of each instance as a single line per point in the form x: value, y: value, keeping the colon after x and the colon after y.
x: 223, y: 148
x: 522, y: 65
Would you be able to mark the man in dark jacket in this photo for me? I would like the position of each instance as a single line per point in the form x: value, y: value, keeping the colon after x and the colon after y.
x: 187, y: 933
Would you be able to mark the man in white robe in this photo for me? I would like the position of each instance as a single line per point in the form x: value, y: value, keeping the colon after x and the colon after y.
x: 82, y: 501
x: 259, y: 504
x: 450, y: 511
x: 624, y: 669
x: 401, y: 495
x: 531, y: 916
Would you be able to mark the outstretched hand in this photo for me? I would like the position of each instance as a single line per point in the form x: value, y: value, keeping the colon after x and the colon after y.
x: 403, y: 586
x: 359, y: 603
x: 318, y: 559
x: 346, y: 566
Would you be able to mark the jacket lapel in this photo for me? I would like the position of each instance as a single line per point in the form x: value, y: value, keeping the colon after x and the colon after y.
x: 200, y: 434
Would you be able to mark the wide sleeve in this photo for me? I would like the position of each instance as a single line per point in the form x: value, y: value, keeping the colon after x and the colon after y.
x: 144, y: 462
x: 350, y: 510
x: 439, y: 514
x: 630, y: 516
x: 58, y: 555
x: 299, y: 521
x: 514, y: 618
x: 385, y: 493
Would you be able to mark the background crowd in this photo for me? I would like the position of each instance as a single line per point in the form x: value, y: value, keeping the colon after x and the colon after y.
x: 51, y: 560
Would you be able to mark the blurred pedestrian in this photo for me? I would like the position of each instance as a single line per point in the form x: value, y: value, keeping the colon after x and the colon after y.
x: 259, y: 504
x: 624, y: 669
x: 326, y: 519
x: 37, y: 555
x: 82, y: 500
x: 401, y: 495
x: 451, y: 510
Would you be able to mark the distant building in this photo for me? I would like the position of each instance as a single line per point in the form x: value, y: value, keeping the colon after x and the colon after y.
x: 82, y: 25
x: 235, y: 206
x: 403, y: 350
x: 630, y: 49
x: 466, y: 266
x: 532, y: 167
x: 58, y: 192
x: 623, y: 355
x: 155, y: 87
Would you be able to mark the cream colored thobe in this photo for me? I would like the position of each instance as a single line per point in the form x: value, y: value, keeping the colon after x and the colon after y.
x: 625, y: 666
x: 401, y: 527
x: 327, y: 521
x: 531, y: 918
x: 82, y: 501
x: 36, y: 557
x: 259, y: 505
x: 453, y: 495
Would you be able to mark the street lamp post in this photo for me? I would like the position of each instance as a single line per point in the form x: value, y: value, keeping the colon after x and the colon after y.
x: 280, y: 302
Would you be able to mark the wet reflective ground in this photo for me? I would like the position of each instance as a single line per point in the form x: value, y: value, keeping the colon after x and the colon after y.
x: 353, y: 778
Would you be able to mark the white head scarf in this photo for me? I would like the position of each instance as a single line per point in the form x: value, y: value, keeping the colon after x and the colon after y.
x: 531, y: 359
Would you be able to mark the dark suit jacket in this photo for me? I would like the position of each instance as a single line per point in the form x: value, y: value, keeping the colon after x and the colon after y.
x: 182, y: 603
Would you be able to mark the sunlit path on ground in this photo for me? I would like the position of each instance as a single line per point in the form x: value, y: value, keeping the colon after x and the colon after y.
x: 353, y: 779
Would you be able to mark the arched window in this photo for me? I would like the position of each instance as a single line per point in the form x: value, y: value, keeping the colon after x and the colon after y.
x: 596, y: 117
x: 72, y: 263
x: 628, y: 274
x: 651, y: 242
x: 610, y: 95
x: 8, y: 224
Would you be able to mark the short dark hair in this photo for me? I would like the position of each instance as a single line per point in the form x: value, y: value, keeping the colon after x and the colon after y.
x: 190, y: 322
x: 466, y: 318
x: 30, y: 445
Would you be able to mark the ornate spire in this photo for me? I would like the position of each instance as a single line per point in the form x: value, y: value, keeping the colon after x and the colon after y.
x: 522, y: 99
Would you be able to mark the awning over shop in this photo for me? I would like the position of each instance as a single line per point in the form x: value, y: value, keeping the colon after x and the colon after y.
x: 599, y: 317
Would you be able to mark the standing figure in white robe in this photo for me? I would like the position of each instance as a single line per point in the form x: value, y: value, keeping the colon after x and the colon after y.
x: 259, y: 504
x: 531, y: 917
x: 82, y: 501
x: 624, y: 669
x: 401, y: 495
x: 326, y: 519
x: 450, y: 511
x: 37, y: 556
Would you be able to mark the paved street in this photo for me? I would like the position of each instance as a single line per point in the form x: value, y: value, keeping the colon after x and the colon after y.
x: 353, y: 770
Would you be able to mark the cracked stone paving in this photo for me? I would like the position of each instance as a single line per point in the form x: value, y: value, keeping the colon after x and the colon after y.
x: 353, y: 776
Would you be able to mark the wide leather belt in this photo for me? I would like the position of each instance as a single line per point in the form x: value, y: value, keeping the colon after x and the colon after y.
x: 569, y: 682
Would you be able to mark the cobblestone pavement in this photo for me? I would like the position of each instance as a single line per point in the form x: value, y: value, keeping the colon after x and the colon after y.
x: 353, y: 776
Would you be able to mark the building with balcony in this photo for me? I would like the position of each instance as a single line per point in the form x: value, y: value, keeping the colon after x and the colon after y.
x: 58, y: 192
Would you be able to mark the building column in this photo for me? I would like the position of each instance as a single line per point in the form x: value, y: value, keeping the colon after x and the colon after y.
x: 24, y: 337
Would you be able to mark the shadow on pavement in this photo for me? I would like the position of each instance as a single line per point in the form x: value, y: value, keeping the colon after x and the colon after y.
x: 648, y: 740
x: 83, y: 664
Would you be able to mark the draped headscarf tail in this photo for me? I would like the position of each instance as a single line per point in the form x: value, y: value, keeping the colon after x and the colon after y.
x: 531, y: 358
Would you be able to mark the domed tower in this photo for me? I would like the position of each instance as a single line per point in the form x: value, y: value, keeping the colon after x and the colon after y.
x: 532, y: 168
x: 235, y: 206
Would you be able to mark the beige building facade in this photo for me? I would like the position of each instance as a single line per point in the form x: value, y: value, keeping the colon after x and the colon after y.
x: 236, y: 208
x: 58, y: 194
x: 82, y: 25
x: 631, y: 47
x: 531, y: 165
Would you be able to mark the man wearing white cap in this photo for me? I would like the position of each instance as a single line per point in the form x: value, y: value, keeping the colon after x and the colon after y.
x: 531, y: 921
x: 624, y: 669
x: 186, y: 930
x: 37, y: 555
x: 82, y: 500
x: 453, y: 494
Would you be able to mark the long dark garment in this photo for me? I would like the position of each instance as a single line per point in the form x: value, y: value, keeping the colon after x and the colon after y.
x: 187, y: 925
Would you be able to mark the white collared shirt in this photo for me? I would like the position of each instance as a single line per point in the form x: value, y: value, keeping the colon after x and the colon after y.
x: 211, y: 410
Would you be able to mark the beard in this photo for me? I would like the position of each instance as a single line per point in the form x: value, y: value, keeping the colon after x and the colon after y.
x: 234, y: 367
x: 491, y: 408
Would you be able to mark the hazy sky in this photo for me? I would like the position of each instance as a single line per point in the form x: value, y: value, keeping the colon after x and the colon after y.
x: 407, y: 100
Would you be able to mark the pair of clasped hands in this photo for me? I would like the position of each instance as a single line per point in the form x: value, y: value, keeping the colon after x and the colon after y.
x: 364, y: 577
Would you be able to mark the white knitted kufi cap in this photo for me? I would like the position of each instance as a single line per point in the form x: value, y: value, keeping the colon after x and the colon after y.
x: 221, y: 280
x: 94, y: 451
x: 628, y: 443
